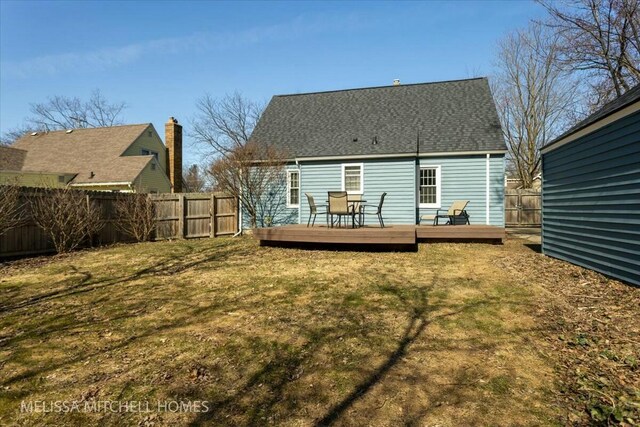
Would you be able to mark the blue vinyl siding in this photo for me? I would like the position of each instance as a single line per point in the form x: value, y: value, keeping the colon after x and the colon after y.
x: 591, y: 200
x: 395, y: 177
x: 278, y: 210
x: 464, y: 178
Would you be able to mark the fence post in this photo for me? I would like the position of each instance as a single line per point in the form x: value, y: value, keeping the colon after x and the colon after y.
x: 212, y: 225
x: 181, y: 215
x: 236, y: 213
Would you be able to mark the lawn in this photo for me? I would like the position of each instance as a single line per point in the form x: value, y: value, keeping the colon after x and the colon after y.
x: 453, y: 334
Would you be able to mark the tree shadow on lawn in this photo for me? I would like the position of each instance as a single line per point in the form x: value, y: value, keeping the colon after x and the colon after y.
x: 65, y: 319
x: 273, y: 384
x: 166, y: 266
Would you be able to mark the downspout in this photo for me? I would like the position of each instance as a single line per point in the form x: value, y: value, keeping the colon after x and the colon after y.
x: 299, y: 191
x: 488, y: 185
x: 416, y: 175
x: 239, y: 217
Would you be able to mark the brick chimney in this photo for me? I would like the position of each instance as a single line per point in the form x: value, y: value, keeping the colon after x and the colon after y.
x: 173, y: 141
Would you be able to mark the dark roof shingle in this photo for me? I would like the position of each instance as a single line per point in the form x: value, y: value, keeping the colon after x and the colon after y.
x: 451, y: 116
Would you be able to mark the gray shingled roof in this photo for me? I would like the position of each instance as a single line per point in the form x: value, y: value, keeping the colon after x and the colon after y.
x: 449, y: 116
x: 631, y: 96
x: 97, y: 150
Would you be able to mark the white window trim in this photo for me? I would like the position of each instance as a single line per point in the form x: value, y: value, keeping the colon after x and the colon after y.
x: 437, y: 204
x: 289, y: 172
x: 361, y: 165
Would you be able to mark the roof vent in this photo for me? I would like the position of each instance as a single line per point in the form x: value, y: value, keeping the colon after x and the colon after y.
x: 91, y: 174
x: 375, y: 140
x: 69, y: 130
x: 396, y: 82
x: 34, y: 133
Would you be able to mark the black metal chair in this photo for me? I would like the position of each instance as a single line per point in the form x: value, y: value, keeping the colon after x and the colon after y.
x: 378, y: 210
x: 313, y: 210
x: 339, y: 205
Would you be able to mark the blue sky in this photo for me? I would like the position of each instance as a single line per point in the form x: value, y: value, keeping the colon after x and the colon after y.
x: 160, y: 57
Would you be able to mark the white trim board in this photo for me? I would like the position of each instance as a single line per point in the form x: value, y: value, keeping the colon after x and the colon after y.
x: 397, y: 155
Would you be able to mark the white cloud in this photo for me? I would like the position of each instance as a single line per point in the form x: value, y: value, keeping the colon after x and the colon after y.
x: 111, y: 57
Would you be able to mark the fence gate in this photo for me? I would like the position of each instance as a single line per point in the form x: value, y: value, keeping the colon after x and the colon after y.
x: 522, y: 208
x: 191, y: 215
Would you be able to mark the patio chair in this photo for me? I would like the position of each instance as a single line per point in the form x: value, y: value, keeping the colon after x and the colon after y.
x: 378, y: 210
x: 456, y: 214
x: 338, y: 205
x: 313, y: 210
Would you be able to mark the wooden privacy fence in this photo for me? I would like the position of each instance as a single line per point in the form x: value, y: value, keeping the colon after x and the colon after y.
x: 195, y: 215
x: 522, y: 208
x: 184, y: 215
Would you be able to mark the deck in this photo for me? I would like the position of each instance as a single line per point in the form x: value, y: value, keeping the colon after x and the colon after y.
x: 370, y: 235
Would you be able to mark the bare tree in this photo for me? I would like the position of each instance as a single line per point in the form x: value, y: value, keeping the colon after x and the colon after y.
x: 535, y: 98
x: 62, y: 112
x: 136, y: 216
x: 223, y: 125
x: 193, y: 179
x: 10, y: 136
x: 601, y: 40
x: 68, y: 216
x: 11, y: 207
x: 256, y: 175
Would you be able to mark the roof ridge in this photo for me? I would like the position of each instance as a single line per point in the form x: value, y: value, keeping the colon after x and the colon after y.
x: 83, y: 129
x: 381, y: 87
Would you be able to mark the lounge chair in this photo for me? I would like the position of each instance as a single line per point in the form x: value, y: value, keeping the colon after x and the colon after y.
x: 378, y: 212
x: 313, y: 210
x: 456, y: 214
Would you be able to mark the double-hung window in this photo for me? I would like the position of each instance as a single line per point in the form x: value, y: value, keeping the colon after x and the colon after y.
x: 352, y: 178
x: 293, y: 189
x: 429, y: 186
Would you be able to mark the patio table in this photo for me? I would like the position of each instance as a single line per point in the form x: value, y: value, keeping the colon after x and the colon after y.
x: 351, y: 202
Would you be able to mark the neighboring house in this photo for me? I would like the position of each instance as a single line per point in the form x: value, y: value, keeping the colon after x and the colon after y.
x: 591, y: 191
x: 119, y: 158
x: 425, y: 145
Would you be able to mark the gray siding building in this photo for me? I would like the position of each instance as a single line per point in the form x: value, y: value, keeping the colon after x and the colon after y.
x: 591, y: 191
x: 425, y: 145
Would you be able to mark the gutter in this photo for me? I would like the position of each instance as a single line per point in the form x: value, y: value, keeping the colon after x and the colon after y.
x: 100, y: 184
x: 397, y: 155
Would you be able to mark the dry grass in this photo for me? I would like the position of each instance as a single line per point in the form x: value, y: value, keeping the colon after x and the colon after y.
x: 446, y: 336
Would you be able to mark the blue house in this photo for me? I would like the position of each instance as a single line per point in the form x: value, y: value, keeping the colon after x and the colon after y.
x: 591, y: 191
x: 425, y: 145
